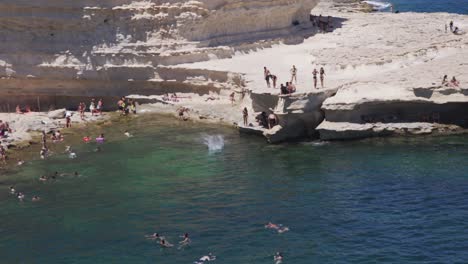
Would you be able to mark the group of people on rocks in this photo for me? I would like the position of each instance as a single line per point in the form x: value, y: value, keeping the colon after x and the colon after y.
x: 94, y: 108
x: 263, y: 119
x: 452, y: 83
x: 173, y: 97
x: 126, y: 106
x: 290, y: 87
x: 19, y: 110
x: 322, y: 24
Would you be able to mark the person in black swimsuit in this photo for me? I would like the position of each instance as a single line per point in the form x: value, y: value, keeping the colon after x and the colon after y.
x: 315, y: 72
x: 322, y: 76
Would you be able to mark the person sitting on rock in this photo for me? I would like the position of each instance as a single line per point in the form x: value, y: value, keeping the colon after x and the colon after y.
x: 262, y: 119
x: 445, y: 80
x: 272, y: 120
x: 284, y: 89
x: 181, y: 111
x: 18, y: 110
x: 454, y: 82
x: 291, y: 88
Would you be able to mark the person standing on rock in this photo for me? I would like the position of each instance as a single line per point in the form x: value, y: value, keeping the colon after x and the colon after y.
x: 267, y: 76
x: 451, y: 26
x: 322, y: 76
x: 81, y: 109
x: 99, y: 106
x: 245, y: 114
x: 232, y: 98
x: 92, y: 107
x: 314, y: 73
x: 294, y: 74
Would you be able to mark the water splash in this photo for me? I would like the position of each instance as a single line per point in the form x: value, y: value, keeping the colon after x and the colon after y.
x: 215, y: 143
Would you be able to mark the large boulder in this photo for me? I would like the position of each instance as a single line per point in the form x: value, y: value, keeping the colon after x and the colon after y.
x: 57, y: 114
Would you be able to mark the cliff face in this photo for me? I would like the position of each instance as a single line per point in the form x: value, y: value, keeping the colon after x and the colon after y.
x: 115, y: 47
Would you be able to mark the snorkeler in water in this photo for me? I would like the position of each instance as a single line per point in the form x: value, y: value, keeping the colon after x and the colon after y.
x: 12, y: 190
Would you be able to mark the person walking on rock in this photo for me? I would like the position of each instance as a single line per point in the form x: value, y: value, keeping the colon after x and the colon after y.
x: 274, y: 79
x: 267, y: 75
x: 322, y: 76
x: 294, y: 74
x: 314, y: 73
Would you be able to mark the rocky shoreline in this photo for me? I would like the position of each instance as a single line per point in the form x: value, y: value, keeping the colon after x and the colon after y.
x: 383, y: 70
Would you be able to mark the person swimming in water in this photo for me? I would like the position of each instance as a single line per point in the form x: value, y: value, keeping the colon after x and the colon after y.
x: 43, y: 178
x: 283, y: 229
x: 12, y: 190
x: 21, y: 196
x: 206, y: 258
x: 278, y: 227
x: 126, y: 133
x: 36, y: 198
x: 278, y: 258
x: 100, y: 139
x: 270, y: 225
x: 163, y: 243
x: 186, y: 241
x: 154, y: 236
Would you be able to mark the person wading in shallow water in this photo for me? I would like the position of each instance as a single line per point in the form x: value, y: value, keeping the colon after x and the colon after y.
x: 245, y: 114
x: 314, y: 73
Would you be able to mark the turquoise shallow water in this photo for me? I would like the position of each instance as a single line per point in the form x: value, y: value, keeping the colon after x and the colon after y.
x: 427, y: 6
x: 374, y: 201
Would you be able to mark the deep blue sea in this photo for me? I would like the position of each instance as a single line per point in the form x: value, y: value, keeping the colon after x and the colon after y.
x: 387, y: 200
x: 450, y: 6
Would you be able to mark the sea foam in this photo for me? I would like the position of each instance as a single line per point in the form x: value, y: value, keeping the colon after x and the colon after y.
x: 379, y: 5
x: 215, y: 143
